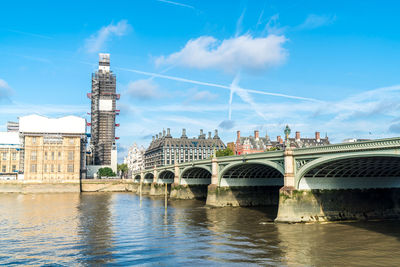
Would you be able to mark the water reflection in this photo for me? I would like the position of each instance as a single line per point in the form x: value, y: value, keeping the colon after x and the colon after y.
x: 122, y: 229
x: 95, y: 228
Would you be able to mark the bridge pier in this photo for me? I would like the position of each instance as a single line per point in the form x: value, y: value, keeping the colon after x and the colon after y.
x: 318, y: 205
x: 242, y: 196
x: 158, y: 189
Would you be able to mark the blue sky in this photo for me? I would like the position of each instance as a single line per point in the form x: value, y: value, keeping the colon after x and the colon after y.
x: 328, y: 66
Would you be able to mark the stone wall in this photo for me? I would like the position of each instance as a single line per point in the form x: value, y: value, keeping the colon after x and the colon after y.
x: 35, y: 187
x: 188, y: 191
x: 244, y: 196
x: 159, y: 189
x: 111, y: 185
x: 333, y: 205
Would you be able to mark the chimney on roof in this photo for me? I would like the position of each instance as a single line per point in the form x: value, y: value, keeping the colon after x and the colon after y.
x: 183, y: 133
x: 156, y: 136
x: 256, y: 134
x: 209, y: 135
x: 153, y: 138
x: 159, y: 134
x: 238, y: 135
x: 216, y: 134
x: 168, y: 132
x: 163, y: 132
x: 317, y: 136
x: 297, y: 136
x: 280, y: 140
x: 201, y: 136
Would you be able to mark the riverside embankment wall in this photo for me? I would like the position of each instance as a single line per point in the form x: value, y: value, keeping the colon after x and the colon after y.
x: 85, y: 185
x: 38, y: 187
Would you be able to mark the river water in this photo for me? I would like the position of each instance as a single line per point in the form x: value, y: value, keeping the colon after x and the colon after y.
x: 125, y: 229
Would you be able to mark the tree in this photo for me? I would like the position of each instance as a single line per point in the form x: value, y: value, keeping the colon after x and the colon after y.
x: 105, y: 172
x: 225, y: 152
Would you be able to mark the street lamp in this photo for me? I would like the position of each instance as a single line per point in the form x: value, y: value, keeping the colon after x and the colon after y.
x: 287, y: 133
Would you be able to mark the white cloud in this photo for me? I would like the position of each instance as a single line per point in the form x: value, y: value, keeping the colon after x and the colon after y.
x: 97, y: 41
x: 19, y: 109
x: 5, y: 90
x: 195, y: 95
x: 244, y: 52
x: 143, y: 89
x: 175, y: 3
x: 315, y: 21
x: 3, y: 84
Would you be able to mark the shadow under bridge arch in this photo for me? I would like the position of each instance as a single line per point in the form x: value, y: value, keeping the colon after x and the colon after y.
x: 352, y: 173
x: 166, y: 177
x: 196, y: 176
x: 137, y: 178
x: 148, y: 178
x: 251, y: 174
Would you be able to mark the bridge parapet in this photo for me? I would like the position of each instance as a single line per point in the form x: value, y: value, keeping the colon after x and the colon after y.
x: 388, y: 143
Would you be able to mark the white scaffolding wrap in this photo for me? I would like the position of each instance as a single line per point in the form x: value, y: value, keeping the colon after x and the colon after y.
x: 42, y: 124
x: 105, y: 105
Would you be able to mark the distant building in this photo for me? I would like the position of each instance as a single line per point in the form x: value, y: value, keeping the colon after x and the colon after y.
x: 103, y: 111
x: 231, y: 146
x: 12, y: 126
x: 256, y: 144
x: 135, y: 158
x: 166, y: 150
x: 10, y: 155
x: 53, y: 149
x: 353, y: 140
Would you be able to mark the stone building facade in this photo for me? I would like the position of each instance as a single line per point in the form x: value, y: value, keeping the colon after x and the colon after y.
x: 54, y: 149
x: 166, y: 150
x: 256, y: 144
x: 135, y: 158
x: 10, y: 154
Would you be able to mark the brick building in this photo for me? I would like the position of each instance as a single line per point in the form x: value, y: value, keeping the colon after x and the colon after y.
x: 256, y: 144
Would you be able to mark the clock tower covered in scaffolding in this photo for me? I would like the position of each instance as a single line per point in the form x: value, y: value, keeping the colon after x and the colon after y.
x: 103, y: 111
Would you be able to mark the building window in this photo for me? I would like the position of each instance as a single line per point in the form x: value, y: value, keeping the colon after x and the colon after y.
x: 59, y: 167
x: 4, y: 156
x: 33, y: 155
x: 14, y: 168
x: 33, y: 168
x: 70, y: 155
x: 52, y: 155
x: 3, y: 168
x: 33, y: 140
x: 59, y: 156
x: 52, y: 168
x: 45, y: 155
x: 14, y: 156
x: 70, y: 168
x: 45, y: 168
x: 71, y: 141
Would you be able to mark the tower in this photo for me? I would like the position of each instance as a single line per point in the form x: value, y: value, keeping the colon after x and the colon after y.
x: 103, y: 112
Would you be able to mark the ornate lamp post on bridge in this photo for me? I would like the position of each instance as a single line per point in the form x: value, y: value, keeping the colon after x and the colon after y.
x: 287, y: 133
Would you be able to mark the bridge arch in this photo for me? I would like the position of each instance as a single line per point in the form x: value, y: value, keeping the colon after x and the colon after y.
x: 197, y: 175
x: 196, y: 172
x: 351, y: 171
x: 166, y: 174
x: 253, y: 173
x: 148, y: 177
x: 137, y: 177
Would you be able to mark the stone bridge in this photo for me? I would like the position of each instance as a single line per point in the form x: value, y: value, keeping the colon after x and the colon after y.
x: 344, y: 181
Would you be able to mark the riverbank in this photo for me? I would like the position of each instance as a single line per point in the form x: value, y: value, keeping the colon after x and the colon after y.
x: 84, y: 185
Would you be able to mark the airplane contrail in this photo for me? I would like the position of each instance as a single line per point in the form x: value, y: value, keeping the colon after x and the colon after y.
x: 174, y: 78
